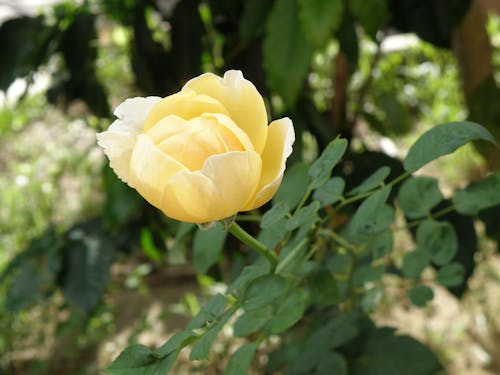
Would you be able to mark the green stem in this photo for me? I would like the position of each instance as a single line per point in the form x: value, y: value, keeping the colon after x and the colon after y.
x: 254, y: 244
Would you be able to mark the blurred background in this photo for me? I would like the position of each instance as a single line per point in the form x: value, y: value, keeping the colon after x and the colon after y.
x: 87, y: 267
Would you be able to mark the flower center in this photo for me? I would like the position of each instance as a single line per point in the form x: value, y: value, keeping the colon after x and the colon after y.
x: 192, y: 142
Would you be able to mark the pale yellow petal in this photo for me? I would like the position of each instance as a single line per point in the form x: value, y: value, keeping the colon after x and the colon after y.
x: 119, y: 139
x: 242, y: 100
x: 235, y: 131
x: 151, y: 170
x: 278, y: 147
x: 221, y: 189
x: 186, y: 104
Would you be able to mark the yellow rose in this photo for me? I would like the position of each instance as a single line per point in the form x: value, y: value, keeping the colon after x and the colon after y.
x: 202, y: 154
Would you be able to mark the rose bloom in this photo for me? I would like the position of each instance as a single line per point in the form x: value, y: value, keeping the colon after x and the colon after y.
x: 202, y: 154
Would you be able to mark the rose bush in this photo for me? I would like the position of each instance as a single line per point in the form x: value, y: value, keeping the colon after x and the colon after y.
x: 202, y: 154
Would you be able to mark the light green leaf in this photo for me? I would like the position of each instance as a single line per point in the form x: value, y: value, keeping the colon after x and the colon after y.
x: 294, y: 185
x: 451, y: 275
x: 442, y: 140
x: 241, y: 359
x: 418, y: 196
x: 275, y: 214
x: 414, y: 263
x: 330, y: 192
x: 148, y: 246
x: 372, y: 182
x: 322, y: 167
x: 420, y: 295
x: 438, y: 239
x: 207, y: 247
x: 287, y: 53
x: 478, y: 195
x: 320, y: 18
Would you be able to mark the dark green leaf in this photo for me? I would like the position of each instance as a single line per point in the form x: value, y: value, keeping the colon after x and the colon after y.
x: 288, y: 311
x: 420, y: 295
x: 24, y: 47
x: 202, y: 347
x: 451, y: 275
x: 322, y: 167
x: 383, y: 352
x: 139, y: 360
x: 175, y: 343
x: 438, y: 239
x: 209, y: 312
x: 330, y: 192
x: 252, y: 321
x: 365, y: 217
x: 319, y: 18
x: 241, y: 359
x: 323, y: 288
x: 372, y: 182
x: 305, y: 215
x: 442, y: 140
x: 330, y: 364
x: 89, y: 254
x: 249, y: 274
x: 253, y: 19
x: 292, y: 256
x: 255, y: 298
x: 414, y: 263
x: 370, y: 14
x: 478, y: 195
x: 207, y: 247
x: 368, y: 274
x: 294, y: 185
x: 276, y: 213
x: 273, y: 234
x: 287, y: 53
x: 380, y: 244
x: 418, y: 196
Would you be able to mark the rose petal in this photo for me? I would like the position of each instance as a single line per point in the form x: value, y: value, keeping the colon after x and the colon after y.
x: 120, y: 138
x: 224, y: 185
x: 278, y: 147
x: 186, y: 104
x: 151, y: 169
x: 242, y: 100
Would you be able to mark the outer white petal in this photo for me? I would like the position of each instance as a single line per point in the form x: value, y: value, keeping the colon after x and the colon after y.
x: 120, y: 138
x: 278, y: 148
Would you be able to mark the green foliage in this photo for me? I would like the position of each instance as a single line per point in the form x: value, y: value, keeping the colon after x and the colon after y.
x: 207, y: 247
x: 322, y: 167
x: 331, y: 237
x: 478, y: 196
x: 287, y: 53
x: 442, y: 140
x: 319, y: 19
x: 418, y: 196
